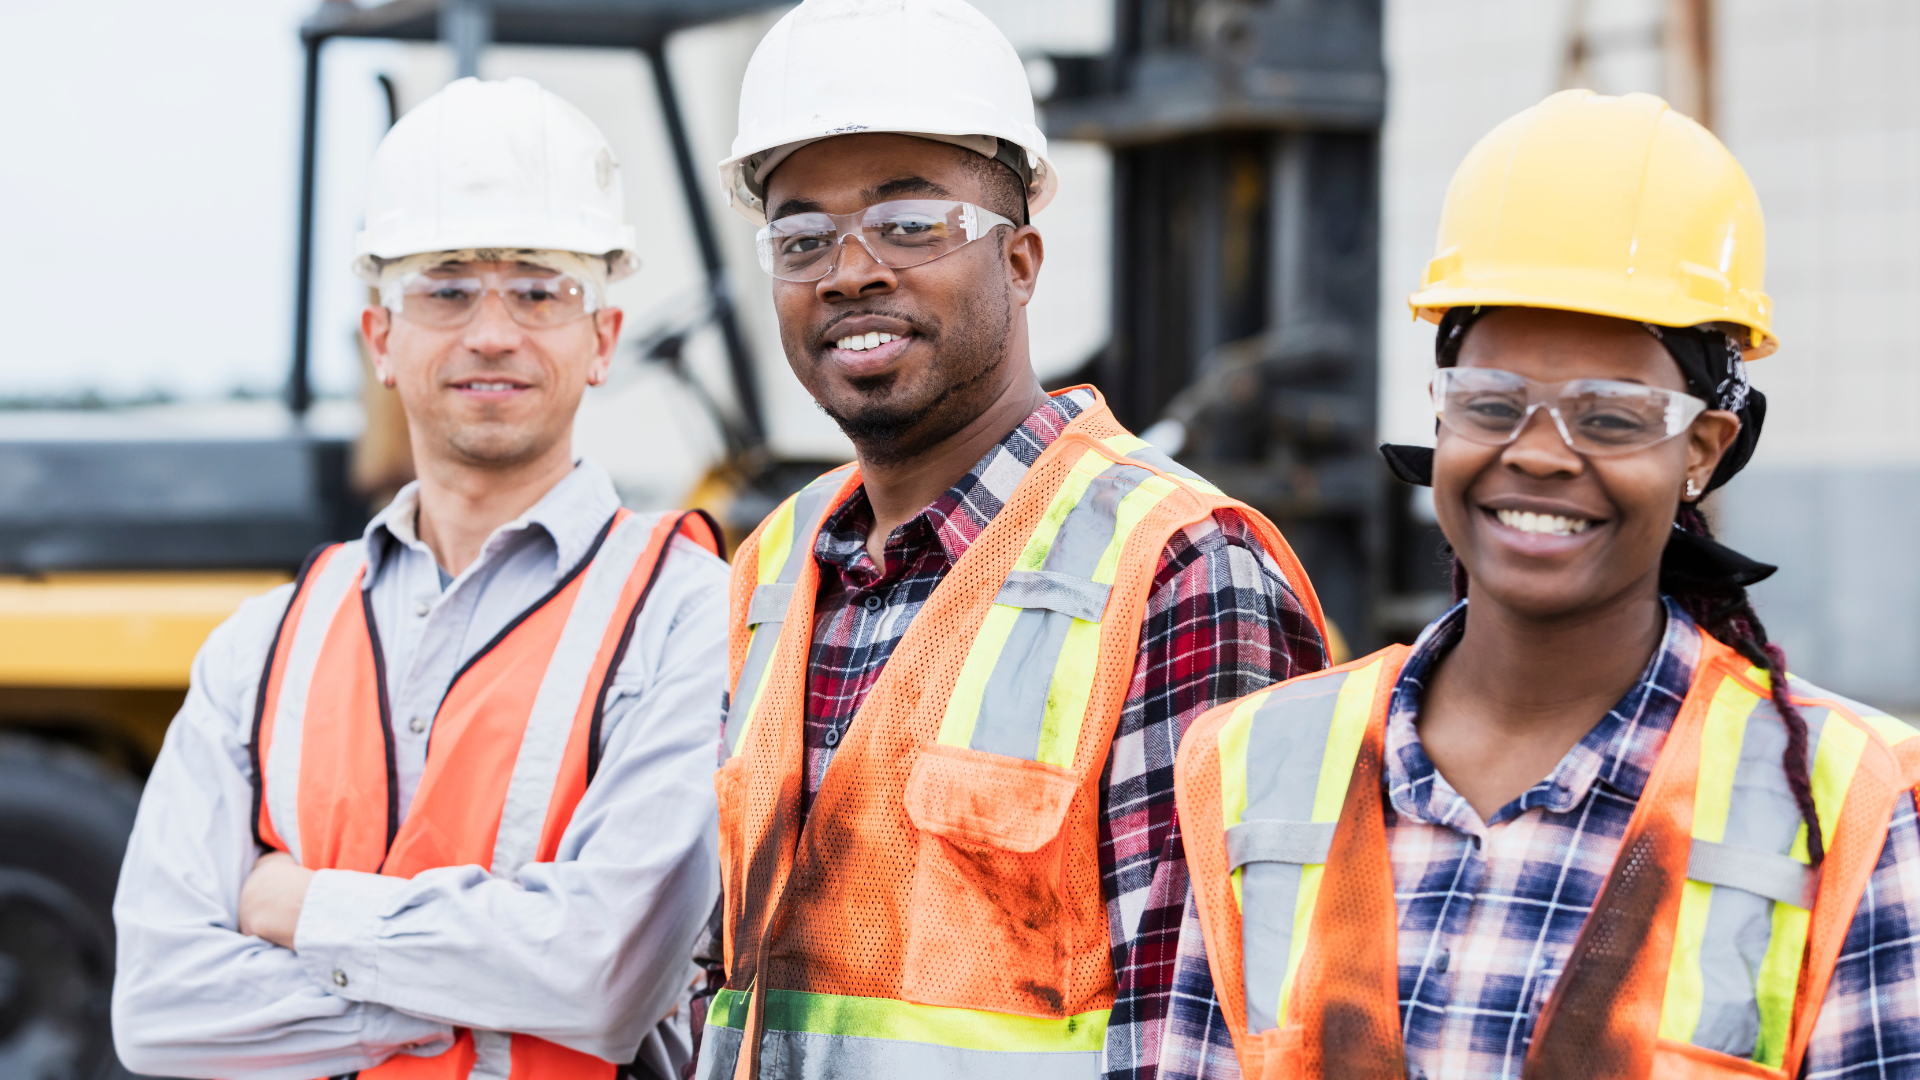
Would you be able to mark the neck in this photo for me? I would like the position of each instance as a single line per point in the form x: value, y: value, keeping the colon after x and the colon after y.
x: 461, y: 504
x: 1517, y: 692
x: 899, y: 490
x: 1517, y: 668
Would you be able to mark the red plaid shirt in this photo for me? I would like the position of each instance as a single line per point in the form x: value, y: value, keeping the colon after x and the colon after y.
x: 1221, y: 622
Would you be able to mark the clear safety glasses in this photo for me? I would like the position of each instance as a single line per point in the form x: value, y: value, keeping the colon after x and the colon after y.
x: 1596, y: 417
x: 897, y: 234
x: 450, y: 297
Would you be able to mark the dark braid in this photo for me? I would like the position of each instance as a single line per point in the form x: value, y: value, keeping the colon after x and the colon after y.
x: 1727, y: 614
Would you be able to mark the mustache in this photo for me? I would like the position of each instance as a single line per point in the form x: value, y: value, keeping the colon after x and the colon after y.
x: 921, y: 326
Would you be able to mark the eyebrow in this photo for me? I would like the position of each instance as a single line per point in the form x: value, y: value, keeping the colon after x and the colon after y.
x: 881, y: 192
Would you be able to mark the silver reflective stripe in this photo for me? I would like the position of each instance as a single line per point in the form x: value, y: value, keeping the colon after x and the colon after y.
x: 1078, y: 597
x: 492, y: 1055
x: 557, y: 703
x: 325, y: 591
x: 1303, y: 843
x: 769, y: 604
x: 1763, y: 873
x: 1762, y: 818
x: 1015, y: 702
x: 1285, y: 747
x: 809, y: 507
x: 804, y: 1055
x: 1153, y: 456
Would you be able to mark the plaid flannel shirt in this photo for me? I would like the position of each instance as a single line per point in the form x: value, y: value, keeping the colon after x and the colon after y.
x: 1489, y: 911
x: 1221, y: 622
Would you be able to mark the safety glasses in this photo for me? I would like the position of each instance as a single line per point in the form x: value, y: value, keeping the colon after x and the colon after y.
x: 897, y: 234
x: 1596, y: 417
x: 450, y: 297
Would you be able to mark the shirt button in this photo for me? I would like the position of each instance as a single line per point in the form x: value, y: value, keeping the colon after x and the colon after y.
x: 1446, y: 958
x: 832, y: 738
x: 421, y: 607
x: 874, y: 603
x: 417, y: 725
x: 339, y: 977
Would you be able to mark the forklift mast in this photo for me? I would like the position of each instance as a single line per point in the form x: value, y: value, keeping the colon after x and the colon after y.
x: 1245, y: 137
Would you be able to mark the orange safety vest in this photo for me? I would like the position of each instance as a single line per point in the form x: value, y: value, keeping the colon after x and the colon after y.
x: 939, y: 911
x: 1708, y: 951
x: 514, y: 744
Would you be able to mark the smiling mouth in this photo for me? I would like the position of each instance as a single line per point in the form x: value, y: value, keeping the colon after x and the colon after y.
x: 487, y: 386
x: 1542, y: 524
x: 863, y: 342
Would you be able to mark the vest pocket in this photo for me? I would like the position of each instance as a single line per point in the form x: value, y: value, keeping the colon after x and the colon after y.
x: 990, y: 927
x: 1684, y: 1061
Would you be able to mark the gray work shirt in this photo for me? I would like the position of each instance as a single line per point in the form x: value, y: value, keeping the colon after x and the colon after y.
x: 589, y: 951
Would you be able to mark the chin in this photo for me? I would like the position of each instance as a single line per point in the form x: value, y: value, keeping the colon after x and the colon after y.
x: 496, y: 446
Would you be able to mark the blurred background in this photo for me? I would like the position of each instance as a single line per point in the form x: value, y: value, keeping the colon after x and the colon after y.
x: 1249, y: 190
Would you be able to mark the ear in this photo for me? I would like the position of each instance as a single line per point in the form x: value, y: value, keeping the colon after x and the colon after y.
x: 606, y: 336
x: 1712, y: 433
x: 375, y: 324
x: 1024, y: 253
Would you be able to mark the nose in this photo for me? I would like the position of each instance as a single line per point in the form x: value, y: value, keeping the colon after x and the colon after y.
x: 856, y: 273
x: 493, y: 330
x: 1541, y: 450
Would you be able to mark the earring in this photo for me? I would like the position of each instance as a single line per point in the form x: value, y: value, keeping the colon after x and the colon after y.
x: 1693, y: 490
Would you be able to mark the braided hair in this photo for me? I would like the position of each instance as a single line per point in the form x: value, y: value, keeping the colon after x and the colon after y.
x: 1707, y: 580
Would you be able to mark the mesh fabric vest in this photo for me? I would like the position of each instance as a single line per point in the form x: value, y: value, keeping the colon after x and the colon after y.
x: 514, y: 743
x: 939, y: 911
x: 1709, y: 948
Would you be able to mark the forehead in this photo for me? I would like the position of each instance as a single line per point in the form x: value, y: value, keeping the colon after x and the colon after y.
x: 847, y: 172
x: 1553, y: 346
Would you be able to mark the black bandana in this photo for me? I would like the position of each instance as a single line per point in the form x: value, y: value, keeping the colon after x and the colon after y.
x: 1715, y: 371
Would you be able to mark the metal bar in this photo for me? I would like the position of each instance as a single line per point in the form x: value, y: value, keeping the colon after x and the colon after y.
x: 467, y: 28
x: 739, y: 361
x: 299, y: 380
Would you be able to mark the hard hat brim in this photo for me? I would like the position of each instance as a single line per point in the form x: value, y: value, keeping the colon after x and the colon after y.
x: 1601, y: 298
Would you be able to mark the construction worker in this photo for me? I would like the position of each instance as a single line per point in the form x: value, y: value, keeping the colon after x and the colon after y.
x: 1587, y: 825
x: 442, y: 808
x: 962, y: 664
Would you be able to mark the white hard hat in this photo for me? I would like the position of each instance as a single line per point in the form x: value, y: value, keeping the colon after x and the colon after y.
x: 497, y: 164
x: 934, y: 68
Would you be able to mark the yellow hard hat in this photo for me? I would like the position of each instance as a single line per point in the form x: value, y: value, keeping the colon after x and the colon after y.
x: 1610, y: 205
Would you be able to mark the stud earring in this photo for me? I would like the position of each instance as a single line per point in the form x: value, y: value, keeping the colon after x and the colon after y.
x: 1693, y: 490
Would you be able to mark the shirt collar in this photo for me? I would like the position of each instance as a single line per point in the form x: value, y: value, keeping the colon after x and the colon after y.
x: 959, y: 515
x: 572, y: 513
x: 1620, y: 751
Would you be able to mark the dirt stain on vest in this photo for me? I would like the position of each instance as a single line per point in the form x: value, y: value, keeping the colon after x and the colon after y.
x: 1046, y: 995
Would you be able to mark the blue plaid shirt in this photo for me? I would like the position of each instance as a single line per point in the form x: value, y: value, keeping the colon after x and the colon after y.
x: 1489, y: 911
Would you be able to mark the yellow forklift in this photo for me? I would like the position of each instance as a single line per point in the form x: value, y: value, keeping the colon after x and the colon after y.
x: 126, y: 537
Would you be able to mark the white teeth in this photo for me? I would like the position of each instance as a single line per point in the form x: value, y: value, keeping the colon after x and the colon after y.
x: 1553, y: 524
x: 489, y: 386
x: 863, y: 342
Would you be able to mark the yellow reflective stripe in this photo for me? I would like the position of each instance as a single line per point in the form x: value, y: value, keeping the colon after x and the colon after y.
x: 1124, y: 443
x: 1776, y: 982
x: 1720, y: 739
x: 1067, y: 695
x: 902, y: 1021
x: 753, y: 703
x: 776, y: 542
x: 1834, y: 760
x: 1079, y: 658
x: 1126, y: 517
x: 1894, y: 731
x: 1351, y: 711
x: 1232, y: 741
x: 1034, y: 556
x: 963, y: 706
